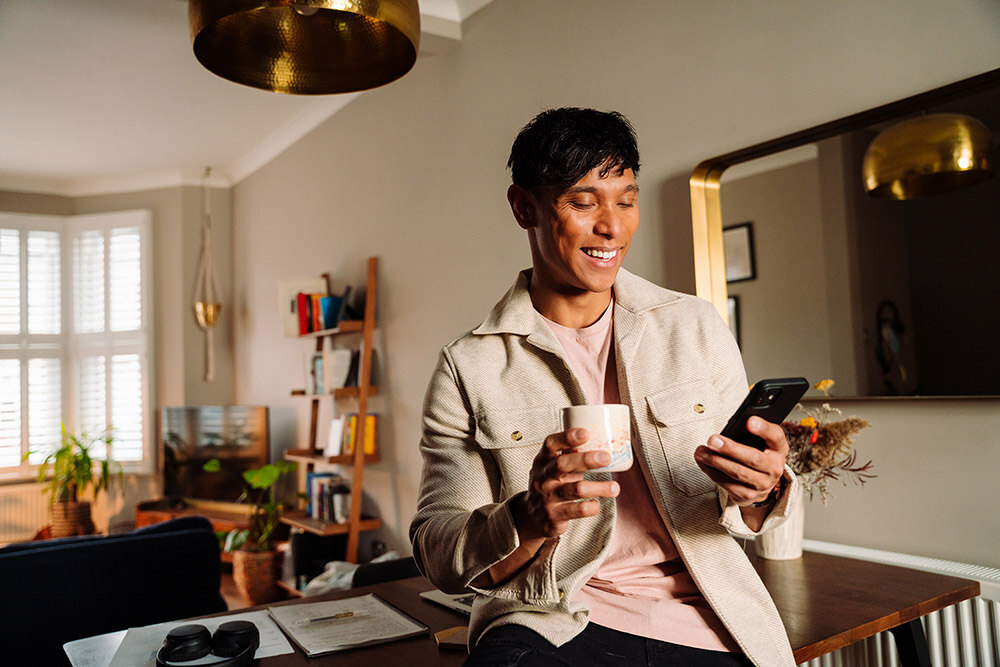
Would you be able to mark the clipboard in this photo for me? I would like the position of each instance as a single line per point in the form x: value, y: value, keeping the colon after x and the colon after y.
x: 332, y: 626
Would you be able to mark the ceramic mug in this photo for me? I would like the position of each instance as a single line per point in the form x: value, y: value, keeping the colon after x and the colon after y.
x: 610, y: 429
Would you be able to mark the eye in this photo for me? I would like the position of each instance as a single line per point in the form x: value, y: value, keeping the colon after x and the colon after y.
x: 627, y: 204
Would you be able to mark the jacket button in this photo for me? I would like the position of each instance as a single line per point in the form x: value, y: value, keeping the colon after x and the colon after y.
x: 699, y: 408
x: 516, y: 436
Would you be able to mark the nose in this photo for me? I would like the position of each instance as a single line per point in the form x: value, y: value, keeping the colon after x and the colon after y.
x: 609, y: 221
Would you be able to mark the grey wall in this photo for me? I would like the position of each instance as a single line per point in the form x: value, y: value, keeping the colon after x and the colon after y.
x: 414, y: 172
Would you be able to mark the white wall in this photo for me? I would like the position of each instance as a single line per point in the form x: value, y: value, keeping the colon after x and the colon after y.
x: 414, y: 172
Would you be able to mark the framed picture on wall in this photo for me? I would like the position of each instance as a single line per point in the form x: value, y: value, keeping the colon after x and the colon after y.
x: 733, y: 307
x: 737, y: 245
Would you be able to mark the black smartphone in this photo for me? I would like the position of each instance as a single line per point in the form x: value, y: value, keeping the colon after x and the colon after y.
x: 770, y: 399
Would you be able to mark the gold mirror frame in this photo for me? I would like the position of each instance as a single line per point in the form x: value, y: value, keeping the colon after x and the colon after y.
x: 706, y: 204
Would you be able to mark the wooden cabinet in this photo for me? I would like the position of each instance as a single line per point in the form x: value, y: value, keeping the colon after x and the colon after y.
x: 312, y: 456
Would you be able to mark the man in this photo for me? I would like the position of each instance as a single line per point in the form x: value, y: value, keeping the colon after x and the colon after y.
x: 636, y: 567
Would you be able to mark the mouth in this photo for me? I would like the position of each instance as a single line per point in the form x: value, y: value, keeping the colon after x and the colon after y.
x: 601, y: 255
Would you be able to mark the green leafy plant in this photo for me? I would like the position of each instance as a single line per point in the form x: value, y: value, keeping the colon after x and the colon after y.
x: 70, y: 470
x: 259, y: 491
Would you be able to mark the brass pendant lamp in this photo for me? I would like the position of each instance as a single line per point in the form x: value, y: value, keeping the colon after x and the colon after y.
x: 306, y: 47
x: 928, y: 155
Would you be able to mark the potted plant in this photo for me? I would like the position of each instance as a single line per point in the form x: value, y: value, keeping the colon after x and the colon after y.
x: 72, y: 469
x: 820, y: 451
x: 255, y: 563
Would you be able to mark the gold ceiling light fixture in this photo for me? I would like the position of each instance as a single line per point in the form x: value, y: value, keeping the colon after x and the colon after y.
x: 306, y: 47
x: 928, y: 155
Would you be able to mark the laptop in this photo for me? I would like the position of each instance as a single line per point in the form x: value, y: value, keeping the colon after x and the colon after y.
x: 460, y: 602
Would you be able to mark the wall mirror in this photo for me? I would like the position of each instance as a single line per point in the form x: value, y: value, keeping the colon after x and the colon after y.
x: 888, y: 298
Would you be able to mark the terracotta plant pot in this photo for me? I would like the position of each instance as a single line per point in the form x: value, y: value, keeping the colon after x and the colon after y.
x: 69, y: 519
x: 254, y: 574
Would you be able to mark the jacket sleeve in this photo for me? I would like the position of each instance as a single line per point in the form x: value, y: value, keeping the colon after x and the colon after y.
x: 733, y: 389
x: 463, y: 523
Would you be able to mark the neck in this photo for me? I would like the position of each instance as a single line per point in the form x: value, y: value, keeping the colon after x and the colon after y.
x: 570, y: 310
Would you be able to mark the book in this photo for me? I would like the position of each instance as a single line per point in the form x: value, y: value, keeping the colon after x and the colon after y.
x: 322, y: 628
x: 351, y: 433
x: 337, y: 365
x: 456, y: 638
x: 302, y: 304
x: 288, y: 293
x: 315, y: 367
x: 314, y: 491
x: 335, y: 441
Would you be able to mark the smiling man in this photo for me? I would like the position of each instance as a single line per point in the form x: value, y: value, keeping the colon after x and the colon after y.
x: 585, y: 568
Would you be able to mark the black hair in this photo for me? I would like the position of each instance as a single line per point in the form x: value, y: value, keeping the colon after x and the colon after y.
x: 559, y: 146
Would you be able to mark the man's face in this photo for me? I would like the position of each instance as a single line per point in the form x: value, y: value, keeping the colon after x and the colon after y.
x: 580, y: 237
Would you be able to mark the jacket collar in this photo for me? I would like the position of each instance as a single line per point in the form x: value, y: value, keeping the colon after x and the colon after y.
x: 514, y: 313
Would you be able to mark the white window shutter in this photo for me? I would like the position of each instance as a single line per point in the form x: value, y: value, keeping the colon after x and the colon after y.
x: 10, y: 281
x: 44, y: 406
x: 44, y: 282
x: 88, y: 281
x: 10, y: 413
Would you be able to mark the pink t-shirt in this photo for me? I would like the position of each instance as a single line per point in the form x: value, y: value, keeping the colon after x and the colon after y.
x: 642, y: 587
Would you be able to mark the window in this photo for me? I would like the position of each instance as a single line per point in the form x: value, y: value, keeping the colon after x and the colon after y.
x: 74, y: 335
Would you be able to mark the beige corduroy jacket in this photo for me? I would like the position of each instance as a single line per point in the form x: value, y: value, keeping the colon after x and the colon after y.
x: 497, y: 393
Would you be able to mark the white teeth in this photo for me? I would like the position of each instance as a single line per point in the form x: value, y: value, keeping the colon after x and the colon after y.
x: 601, y: 254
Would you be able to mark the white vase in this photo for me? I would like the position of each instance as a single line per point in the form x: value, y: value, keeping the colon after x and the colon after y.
x: 785, y: 541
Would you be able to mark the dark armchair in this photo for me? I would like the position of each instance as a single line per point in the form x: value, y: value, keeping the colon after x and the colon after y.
x: 55, y: 591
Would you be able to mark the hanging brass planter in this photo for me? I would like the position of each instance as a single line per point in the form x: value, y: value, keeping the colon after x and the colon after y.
x: 306, y: 47
x: 928, y: 155
x: 207, y: 314
x: 207, y: 308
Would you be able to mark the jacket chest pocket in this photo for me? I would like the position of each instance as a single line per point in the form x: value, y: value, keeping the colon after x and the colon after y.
x: 514, y: 436
x: 685, y: 416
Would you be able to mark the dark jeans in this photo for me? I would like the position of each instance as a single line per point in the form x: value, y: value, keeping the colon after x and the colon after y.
x: 516, y: 645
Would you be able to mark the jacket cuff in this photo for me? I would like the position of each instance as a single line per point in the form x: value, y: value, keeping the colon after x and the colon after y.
x: 732, y: 517
x: 533, y: 583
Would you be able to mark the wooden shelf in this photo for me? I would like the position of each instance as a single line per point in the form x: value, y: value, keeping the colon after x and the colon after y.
x: 346, y: 326
x: 340, y: 392
x: 312, y: 456
x: 318, y: 527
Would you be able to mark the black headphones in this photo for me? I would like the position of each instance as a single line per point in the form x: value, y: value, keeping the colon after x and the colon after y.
x: 235, y: 642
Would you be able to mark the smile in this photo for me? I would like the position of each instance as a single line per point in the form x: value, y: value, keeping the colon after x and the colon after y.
x: 603, y: 255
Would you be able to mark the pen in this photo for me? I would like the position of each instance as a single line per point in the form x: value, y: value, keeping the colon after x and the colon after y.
x: 332, y: 617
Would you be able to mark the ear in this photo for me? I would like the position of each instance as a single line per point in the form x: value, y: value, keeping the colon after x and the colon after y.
x: 522, y: 205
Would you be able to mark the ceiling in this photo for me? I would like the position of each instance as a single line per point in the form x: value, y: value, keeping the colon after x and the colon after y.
x: 104, y: 96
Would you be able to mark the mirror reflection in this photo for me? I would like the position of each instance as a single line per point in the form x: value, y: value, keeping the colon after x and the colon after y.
x: 889, y: 298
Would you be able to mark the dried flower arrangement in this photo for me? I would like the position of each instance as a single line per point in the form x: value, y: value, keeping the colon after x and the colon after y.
x: 822, y: 451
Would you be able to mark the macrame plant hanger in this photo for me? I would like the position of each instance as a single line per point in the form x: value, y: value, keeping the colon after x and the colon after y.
x: 206, y: 290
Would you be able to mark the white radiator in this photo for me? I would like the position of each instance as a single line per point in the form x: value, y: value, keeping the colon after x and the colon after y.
x: 962, y: 635
x: 23, y: 511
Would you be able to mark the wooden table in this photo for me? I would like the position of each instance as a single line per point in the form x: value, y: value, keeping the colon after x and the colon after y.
x: 826, y: 602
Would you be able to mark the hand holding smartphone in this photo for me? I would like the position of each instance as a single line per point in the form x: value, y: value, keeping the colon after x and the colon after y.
x: 771, y: 400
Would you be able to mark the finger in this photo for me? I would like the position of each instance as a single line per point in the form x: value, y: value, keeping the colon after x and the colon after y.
x: 772, y: 434
x: 733, y: 470
x: 720, y: 449
x: 581, y: 461
x: 558, y: 443
x: 568, y: 511
x: 740, y: 492
x: 587, y: 489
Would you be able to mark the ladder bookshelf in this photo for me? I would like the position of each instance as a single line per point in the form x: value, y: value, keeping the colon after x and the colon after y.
x: 312, y: 456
